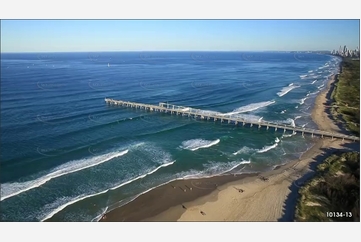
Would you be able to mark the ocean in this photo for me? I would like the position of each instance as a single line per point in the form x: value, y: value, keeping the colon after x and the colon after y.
x: 68, y: 156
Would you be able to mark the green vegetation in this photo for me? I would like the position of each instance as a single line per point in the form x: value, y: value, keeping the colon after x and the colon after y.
x: 336, y: 188
x: 347, y: 95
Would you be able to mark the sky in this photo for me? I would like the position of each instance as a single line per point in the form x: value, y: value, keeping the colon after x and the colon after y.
x: 177, y: 35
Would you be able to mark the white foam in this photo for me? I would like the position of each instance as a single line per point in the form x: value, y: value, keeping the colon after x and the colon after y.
x: 215, y: 169
x: 297, y: 117
x: 98, y: 217
x: 142, y: 176
x: 248, y: 117
x: 313, y: 93
x: 244, y: 150
x: 202, y: 112
x: 288, y: 121
x: 11, y: 189
x: 206, y: 112
x: 288, y: 135
x: 235, y: 166
x: 314, y: 81
x: 302, y: 101
x: 310, y: 71
x: 286, y: 90
x: 195, y: 144
x: 292, y: 122
x: 61, y: 207
x: 319, y: 87
x: 284, y: 111
x: 82, y: 197
x: 251, y: 107
x: 303, y: 76
x: 270, y: 147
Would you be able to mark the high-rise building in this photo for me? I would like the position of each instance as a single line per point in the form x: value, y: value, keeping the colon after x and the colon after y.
x: 346, y: 52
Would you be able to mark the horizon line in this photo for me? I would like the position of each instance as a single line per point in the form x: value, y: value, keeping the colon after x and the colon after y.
x: 102, y: 51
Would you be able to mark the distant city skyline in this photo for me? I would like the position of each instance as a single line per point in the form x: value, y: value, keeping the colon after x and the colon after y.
x: 346, y: 52
x: 177, y: 35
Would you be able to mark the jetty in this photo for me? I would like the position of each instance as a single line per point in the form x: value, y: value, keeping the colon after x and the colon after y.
x: 228, y: 118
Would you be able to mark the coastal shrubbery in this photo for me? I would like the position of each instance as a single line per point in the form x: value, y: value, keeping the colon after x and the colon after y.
x: 336, y: 188
x: 347, y: 95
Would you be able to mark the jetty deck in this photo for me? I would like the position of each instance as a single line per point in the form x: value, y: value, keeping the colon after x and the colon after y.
x: 229, y: 118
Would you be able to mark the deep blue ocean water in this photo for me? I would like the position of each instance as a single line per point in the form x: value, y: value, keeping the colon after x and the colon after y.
x: 68, y: 156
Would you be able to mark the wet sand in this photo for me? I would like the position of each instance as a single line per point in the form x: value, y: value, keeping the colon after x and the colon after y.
x: 237, y: 198
x: 173, y: 194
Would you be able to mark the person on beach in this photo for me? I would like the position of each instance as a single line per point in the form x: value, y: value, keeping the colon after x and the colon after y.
x: 239, y: 189
x: 263, y: 178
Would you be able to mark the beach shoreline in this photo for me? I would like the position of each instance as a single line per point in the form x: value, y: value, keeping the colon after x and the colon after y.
x: 264, y: 196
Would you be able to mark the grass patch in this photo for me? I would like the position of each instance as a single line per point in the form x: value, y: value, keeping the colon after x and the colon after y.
x: 336, y: 188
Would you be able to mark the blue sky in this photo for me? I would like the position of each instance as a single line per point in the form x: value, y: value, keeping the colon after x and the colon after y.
x: 177, y: 35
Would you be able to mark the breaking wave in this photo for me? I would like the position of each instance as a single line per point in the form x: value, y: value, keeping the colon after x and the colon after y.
x: 251, y: 107
x: 302, y: 101
x: 244, y: 150
x: 267, y: 148
x: 195, y: 144
x: 286, y: 90
x: 11, y: 189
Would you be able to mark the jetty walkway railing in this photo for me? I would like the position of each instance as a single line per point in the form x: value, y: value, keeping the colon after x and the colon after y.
x: 217, y: 116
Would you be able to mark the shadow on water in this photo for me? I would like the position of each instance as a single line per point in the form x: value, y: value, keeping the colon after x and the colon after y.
x: 289, y: 207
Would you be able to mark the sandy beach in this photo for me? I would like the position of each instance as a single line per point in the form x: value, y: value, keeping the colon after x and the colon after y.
x: 238, y: 198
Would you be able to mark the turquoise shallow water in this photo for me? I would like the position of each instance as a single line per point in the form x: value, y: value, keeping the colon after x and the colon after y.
x: 68, y: 156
